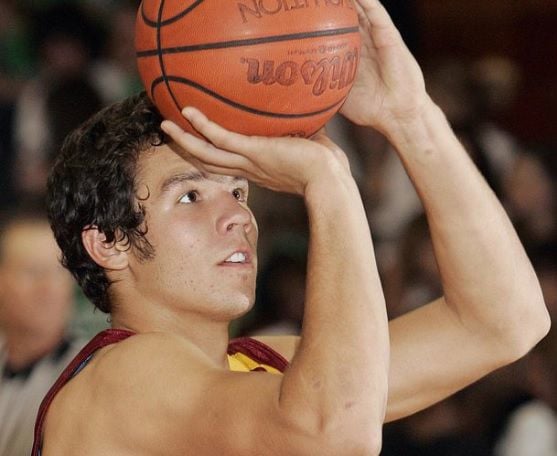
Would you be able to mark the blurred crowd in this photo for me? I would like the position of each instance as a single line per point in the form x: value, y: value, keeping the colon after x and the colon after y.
x: 62, y: 61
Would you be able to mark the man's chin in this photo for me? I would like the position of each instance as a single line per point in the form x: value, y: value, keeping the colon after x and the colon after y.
x: 239, y: 307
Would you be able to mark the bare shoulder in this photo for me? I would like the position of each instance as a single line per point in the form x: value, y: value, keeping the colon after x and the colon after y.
x: 157, y: 394
x: 155, y: 348
x: 285, y: 345
x: 128, y: 393
x: 151, y: 365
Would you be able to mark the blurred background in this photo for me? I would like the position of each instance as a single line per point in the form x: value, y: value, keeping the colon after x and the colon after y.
x: 491, y: 66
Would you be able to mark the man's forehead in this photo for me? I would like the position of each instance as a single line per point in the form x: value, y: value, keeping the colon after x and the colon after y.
x: 163, y: 166
x: 181, y: 176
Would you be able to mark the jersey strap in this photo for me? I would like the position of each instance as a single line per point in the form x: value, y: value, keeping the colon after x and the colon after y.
x: 104, y: 338
x: 257, y: 351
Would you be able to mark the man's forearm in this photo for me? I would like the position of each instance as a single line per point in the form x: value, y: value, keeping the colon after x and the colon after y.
x: 487, y: 278
x: 339, y: 374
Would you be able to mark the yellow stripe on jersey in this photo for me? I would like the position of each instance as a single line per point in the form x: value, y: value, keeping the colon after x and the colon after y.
x: 238, y: 362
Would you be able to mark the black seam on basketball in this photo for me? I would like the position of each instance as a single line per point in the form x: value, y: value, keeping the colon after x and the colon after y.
x: 249, y: 42
x: 237, y: 105
x: 171, y: 20
x: 161, y: 60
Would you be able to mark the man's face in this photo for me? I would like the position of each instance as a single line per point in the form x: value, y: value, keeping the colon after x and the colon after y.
x: 36, y: 292
x: 203, y: 234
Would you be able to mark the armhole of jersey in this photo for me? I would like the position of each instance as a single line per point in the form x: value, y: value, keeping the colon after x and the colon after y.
x: 258, y: 351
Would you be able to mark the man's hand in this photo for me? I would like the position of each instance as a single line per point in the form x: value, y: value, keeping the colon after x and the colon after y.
x: 280, y: 164
x: 389, y: 87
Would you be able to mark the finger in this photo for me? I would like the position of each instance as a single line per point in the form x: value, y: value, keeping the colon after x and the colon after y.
x: 209, y: 168
x: 202, y: 166
x: 202, y: 150
x: 381, y: 27
x: 213, y: 169
x: 247, y: 146
x: 375, y: 12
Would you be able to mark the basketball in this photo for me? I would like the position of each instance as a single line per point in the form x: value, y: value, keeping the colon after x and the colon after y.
x: 257, y: 67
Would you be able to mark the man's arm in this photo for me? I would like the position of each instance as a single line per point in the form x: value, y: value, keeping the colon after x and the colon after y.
x: 492, y: 311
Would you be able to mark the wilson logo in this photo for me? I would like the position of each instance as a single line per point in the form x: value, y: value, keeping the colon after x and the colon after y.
x: 328, y: 73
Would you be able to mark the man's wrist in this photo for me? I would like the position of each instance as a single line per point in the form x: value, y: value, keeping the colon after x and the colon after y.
x: 419, y: 131
x: 331, y: 185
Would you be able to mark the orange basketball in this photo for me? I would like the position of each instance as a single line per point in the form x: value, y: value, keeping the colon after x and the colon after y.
x: 258, y: 67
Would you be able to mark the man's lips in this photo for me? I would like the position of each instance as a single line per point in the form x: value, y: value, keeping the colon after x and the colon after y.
x: 241, y: 256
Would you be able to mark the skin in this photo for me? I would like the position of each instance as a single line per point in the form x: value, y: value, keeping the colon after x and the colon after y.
x: 196, y: 221
x: 35, y: 292
x: 161, y: 391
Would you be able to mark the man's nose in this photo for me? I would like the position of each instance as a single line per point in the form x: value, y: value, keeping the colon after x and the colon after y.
x: 234, y: 215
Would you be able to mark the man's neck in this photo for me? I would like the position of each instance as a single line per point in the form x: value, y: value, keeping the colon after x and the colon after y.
x: 211, y: 337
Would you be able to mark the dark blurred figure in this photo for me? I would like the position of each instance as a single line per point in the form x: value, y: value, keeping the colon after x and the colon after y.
x: 115, y: 73
x: 545, y: 264
x: 36, y: 299
x: 532, y: 428
x: 70, y: 101
x: 65, y: 38
x: 473, y: 94
x: 16, y: 59
x: 66, y: 41
x: 7, y: 191
x: 16, y: 67
x: 445, y: 429
x: 414, y: 280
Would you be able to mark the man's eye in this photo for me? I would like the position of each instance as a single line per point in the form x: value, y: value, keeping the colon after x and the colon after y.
x: 190, y: 197
x: 239, y: 194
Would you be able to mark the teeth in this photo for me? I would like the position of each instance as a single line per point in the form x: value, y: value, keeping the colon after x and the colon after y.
x: 238, y: 257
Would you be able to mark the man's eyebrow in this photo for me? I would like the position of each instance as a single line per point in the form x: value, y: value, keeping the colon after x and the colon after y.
x: 196, y: 176
x: 177, y: 179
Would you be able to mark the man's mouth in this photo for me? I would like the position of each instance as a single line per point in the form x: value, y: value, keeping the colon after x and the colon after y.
x: 237, y: 258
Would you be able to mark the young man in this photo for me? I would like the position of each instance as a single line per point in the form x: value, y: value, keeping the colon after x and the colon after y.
x: 36, y: 301
x: 159, y: 235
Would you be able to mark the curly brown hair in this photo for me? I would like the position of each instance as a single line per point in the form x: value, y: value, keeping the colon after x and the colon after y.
x: 93, y: 184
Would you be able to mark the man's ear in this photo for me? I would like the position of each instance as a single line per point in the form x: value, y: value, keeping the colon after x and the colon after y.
x: 108, y: 255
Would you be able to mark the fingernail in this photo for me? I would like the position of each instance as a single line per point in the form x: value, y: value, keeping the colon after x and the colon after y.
x: 170, y: 128
x: 187, y: 112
